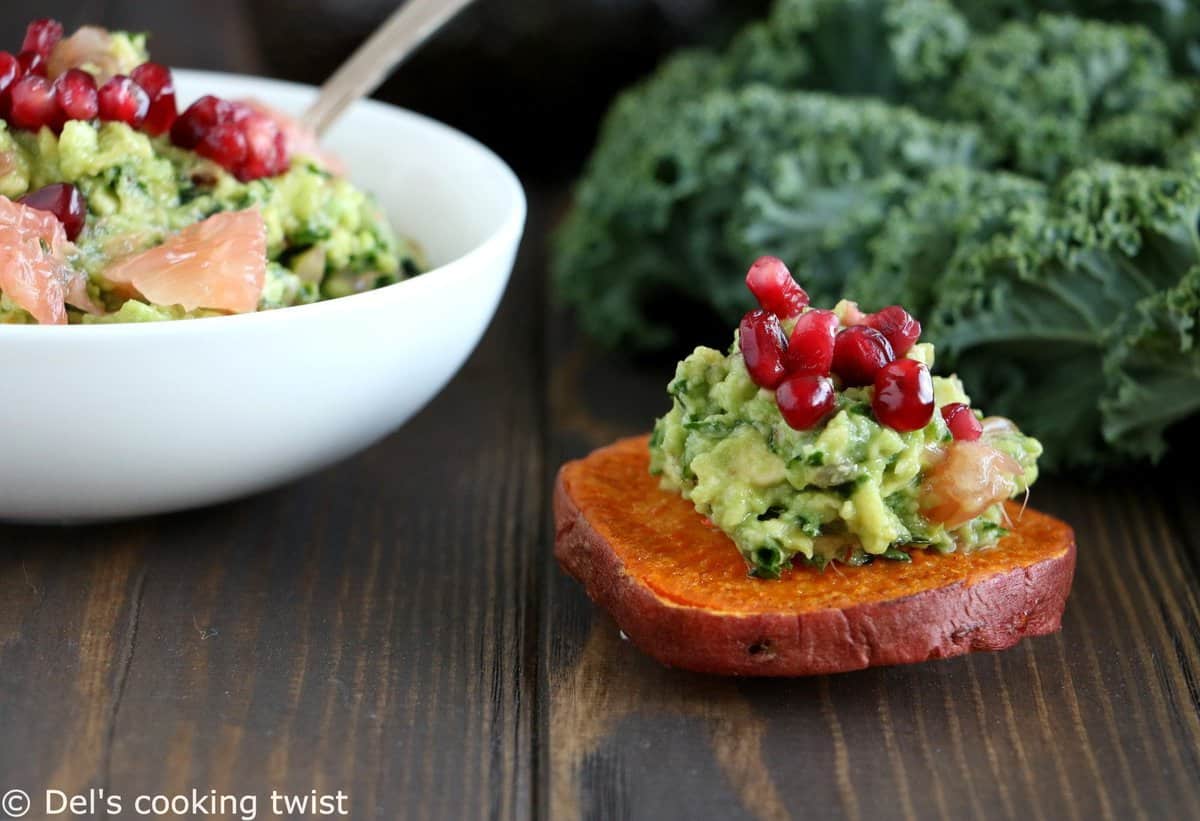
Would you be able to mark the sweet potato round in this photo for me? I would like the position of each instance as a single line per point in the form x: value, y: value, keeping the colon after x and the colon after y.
x: 679, y: 589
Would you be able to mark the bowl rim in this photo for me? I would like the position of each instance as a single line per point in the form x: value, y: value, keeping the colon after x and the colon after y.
x: 509, y: 229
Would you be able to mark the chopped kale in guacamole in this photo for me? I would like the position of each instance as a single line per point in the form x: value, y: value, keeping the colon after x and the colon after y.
x: 847, y: 489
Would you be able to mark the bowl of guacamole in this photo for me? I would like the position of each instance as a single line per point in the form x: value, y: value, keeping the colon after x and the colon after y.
x: 127, y: 170
x: 377, y: 280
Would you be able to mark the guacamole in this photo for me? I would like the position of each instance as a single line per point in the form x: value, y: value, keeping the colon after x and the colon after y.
x: 325, y: 237
x: 848, y: 488
x: 135, y: 171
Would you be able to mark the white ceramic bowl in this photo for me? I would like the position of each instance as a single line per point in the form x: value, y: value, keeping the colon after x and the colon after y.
x: 113, y: 421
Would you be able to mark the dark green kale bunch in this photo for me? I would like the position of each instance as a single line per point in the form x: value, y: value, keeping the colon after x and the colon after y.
x: 1026, y: 181
x: 807, y: 177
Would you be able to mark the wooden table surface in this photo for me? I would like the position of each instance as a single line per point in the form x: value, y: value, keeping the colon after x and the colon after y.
x: 395, y: 628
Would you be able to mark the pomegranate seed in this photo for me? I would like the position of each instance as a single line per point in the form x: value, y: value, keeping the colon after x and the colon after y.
x: 123, y: 101
x: 773, y: 286
x: 224, y: 144
x: 63, y: 201
x: 805, y: 401
x: 197, y: 119
x: 903, y: 397
x: 963, y: 424
x: 161, y: 115
x: 238, y: 112
x: 75, y: 90
x: 33, y: 104
x: 898, y: 325
x: 10, y: 70
x: 42, y: 35
x: 32, y: 63
x: 763, y: 344
x: 265, y: 150
x: 859, y: 353
x: 155, y: 79
x: 247, y: 143
x: 282, y: 160
x: 810, y: 348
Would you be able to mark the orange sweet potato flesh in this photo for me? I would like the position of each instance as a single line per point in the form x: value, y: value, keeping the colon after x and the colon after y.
x: 679, y: 589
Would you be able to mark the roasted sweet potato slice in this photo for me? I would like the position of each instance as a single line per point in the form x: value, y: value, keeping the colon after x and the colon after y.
x: 679, y: 589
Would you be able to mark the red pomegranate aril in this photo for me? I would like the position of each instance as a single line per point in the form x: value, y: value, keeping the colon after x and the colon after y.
x: 806, y: 401
x: 197, y: 119
x: 903, y: 397
x: 964, y: 425
x: 10, y: 70
x: 160, y: 116
x: 32, y: 104
x: 257, y: 166
x: 775, y: 289
x: 63, y: 201
x: 262, y: 147
x: 763, y: 344
x: 42, y: 35
x: 810, y: 347
x: 859, y: 353
x: 77, y: 97
x: 155, y: 79
x: 32, y: 63
x: 244, y: 141
x: 898, y: 326
x: 282, y: 158
x: 123, y: 101
x: 224, y: 144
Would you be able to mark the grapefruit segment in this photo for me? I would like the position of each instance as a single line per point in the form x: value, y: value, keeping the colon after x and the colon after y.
x: 90, y: 46
x: 219, y: 263
x: 34, y: 272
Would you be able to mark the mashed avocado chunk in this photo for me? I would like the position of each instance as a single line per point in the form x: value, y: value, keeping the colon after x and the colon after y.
x: 325, y: 237
x: 848, y: 489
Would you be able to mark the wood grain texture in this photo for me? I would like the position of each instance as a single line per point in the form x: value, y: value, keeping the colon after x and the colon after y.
x: 368, y: 629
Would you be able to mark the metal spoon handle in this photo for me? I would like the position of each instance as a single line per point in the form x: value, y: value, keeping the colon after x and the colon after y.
x: 408, y: 27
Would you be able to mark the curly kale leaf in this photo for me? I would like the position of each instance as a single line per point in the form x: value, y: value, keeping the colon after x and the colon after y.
x: 956, y: 207
x: 1061, y: 92
x: 956, y: 157
x: 1176, y: 22
x: 1153, y: 369
x: 888, y: 49
x: 1052, y: 93
x: 683, y: 203
x: 1028, y: 316
x: 696, y: 172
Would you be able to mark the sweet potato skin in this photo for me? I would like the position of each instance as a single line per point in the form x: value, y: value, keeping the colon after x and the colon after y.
x: 680, y: 591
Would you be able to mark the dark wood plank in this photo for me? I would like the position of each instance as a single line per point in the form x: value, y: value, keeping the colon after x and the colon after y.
x: 1099, y: 721
x: 369, y: 629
